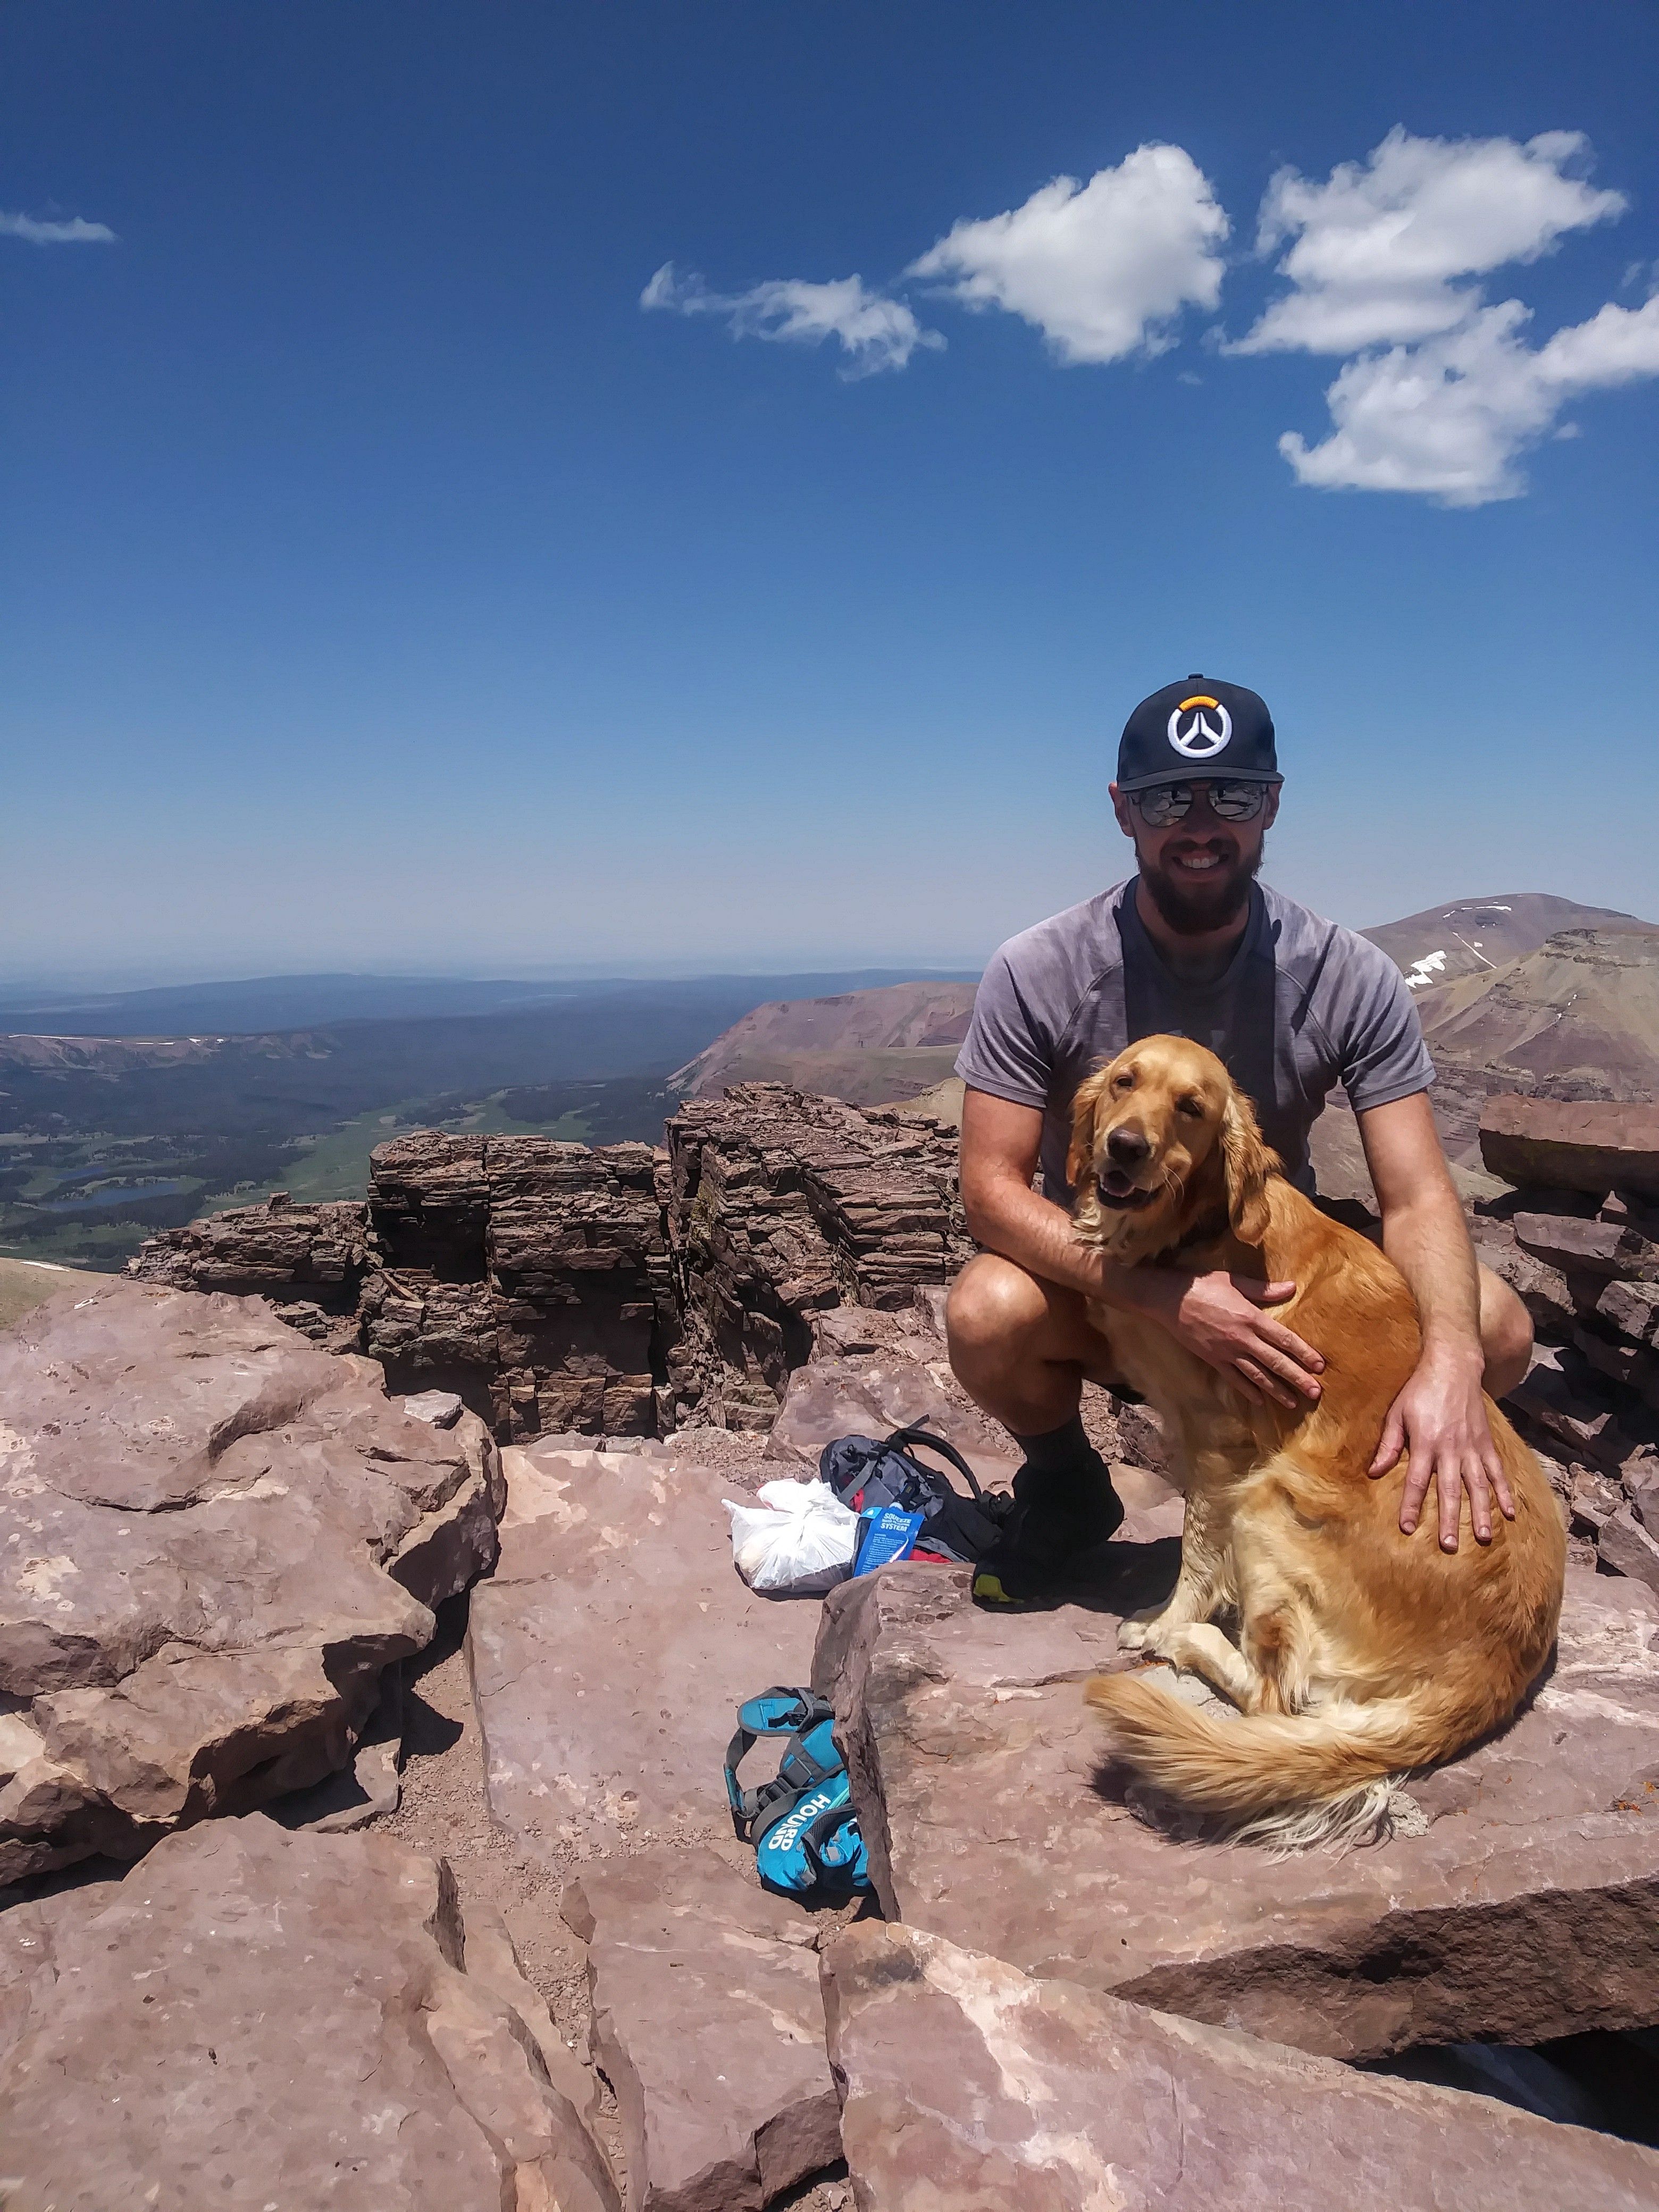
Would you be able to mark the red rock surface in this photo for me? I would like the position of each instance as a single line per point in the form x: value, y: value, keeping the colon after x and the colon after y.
x: 531, y: 1276
x: 1518, y: 1898
x: 214, y: 1538
x: 967, y: 2085
x: 1571, y: 1145
x: 251, y: 2019
x: 781, y: 1206
x: 708, y: 2024
x: 611, y: 1647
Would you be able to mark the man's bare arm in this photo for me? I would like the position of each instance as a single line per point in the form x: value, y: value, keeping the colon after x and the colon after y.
x: 1440, y: 1415
x: 1218, y: 1316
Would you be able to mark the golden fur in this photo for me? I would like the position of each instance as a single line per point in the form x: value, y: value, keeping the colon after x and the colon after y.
x: 1361, y: 1651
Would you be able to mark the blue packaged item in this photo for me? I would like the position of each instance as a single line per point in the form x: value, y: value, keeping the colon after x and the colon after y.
x: 885, y: 1532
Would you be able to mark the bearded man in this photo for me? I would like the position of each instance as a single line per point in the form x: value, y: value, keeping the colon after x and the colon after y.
x: 1193, y: 945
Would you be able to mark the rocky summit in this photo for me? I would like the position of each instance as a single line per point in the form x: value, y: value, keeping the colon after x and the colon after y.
x: 409, y: 1518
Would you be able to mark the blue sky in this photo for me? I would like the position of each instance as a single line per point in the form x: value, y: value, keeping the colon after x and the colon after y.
x: 387, y: 586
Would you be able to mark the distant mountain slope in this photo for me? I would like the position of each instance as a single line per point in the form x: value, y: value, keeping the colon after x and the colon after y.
x: 1475, y: 936
x: 856, y: 1045
x: 129, y: 1123
x: 262, y: 1005
x: 1578, y: 1017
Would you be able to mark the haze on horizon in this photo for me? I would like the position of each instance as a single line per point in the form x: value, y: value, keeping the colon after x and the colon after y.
x: 511, y: 493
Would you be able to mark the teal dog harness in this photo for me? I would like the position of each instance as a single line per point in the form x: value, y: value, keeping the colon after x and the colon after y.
x: 802, y: 1824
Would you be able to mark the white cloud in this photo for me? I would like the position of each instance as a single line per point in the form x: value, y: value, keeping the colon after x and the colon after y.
x: 1376, y: 249
x: 874, y: 331
x: 1441, y: 393
x: 75, y: 232
x: 1100, y: 269
x: 1450, y: 417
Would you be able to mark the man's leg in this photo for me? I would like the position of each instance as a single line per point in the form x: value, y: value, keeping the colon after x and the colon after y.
x: 1021, y: 1349
x: 1506, y: 1334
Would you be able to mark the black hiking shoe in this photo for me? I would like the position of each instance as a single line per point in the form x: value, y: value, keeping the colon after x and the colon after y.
x: 1053, y: 1543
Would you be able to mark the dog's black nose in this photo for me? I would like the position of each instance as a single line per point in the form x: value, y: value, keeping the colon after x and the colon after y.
x: 1127, y: 1147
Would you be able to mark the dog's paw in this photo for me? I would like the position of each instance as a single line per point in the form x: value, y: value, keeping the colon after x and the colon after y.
x: 1136, y: 1632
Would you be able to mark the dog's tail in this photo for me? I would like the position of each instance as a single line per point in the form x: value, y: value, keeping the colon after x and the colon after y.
x: 1285, y: 1780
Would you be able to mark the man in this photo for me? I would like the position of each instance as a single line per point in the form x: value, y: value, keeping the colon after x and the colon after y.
x: 1194, y: 945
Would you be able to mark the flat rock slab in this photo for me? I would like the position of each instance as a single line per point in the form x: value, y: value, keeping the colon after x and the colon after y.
x: 252, y: 2018
x: 968, y: 2086
x: 1587, y: 1146
x: 708, y: 2024
x: 611, y: 1647
x: 214, y: 1537
x: 1526, y: 1905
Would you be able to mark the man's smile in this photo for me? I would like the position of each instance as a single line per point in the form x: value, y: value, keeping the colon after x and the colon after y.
x: 1198, y: 860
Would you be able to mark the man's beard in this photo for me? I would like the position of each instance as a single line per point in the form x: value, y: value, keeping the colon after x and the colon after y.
x: 1193, y: 909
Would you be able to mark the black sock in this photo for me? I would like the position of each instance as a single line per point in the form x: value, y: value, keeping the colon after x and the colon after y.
x: 1057, y: 1451
x: 1064, y: 1491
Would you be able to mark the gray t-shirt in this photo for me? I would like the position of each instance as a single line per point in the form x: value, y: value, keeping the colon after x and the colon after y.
x: 1303, y: 1006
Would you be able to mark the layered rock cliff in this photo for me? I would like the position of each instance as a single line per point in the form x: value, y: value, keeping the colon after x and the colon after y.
x: 612, y: 1291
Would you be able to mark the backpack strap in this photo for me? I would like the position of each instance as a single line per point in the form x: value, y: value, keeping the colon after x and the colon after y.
x: 919, y: 1433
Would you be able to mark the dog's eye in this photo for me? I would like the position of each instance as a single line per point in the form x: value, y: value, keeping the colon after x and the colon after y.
x: 1124, y: 1082
x: 1192, y: 1107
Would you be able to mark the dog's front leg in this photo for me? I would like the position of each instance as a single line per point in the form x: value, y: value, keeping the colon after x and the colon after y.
x: 1203, y: 1586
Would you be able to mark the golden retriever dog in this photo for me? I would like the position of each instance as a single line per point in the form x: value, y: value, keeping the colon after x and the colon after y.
x: 1362, y: 1652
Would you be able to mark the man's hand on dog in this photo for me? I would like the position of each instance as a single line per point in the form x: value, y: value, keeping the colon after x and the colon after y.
x: 1219, y: 1317
x: 1440, y: 1418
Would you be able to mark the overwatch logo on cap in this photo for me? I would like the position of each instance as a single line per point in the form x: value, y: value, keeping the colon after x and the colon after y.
x: 1200, y: 726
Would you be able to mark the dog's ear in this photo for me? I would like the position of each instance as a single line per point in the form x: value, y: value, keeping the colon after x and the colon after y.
x: 1080, y: 1158
x: 1249, y: 1163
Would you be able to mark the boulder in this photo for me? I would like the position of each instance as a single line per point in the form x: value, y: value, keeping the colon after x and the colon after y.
x: 611, y: 1647
x: 1625, y: 1545
x: 1572, y: 1244
x: 441, y: 1407
x: 371, y: 1787
x: 967, y: 2085
x: 708, y: 2024
x: 214, y: 1539
x: 254, y: 2018
x: 1547, y: 1293
x: 532, y: 1277
x: 1563, y: 1396
x: 1563, y: 1144
x: 870, y: 1396
x: 1594, y: 1498
x: 1514, y: 1901
x: 1631, y: 1310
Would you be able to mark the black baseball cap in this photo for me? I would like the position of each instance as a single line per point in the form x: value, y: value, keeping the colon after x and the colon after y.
x: 1196, y: 730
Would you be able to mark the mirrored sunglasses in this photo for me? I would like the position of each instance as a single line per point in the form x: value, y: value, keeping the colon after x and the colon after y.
x: 1165, y: 804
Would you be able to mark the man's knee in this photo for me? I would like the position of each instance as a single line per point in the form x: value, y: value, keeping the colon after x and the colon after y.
x: 1506, y: 1334
x: 992, y: 1305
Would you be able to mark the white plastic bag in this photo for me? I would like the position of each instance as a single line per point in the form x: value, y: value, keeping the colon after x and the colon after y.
x: 797, y: 1542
